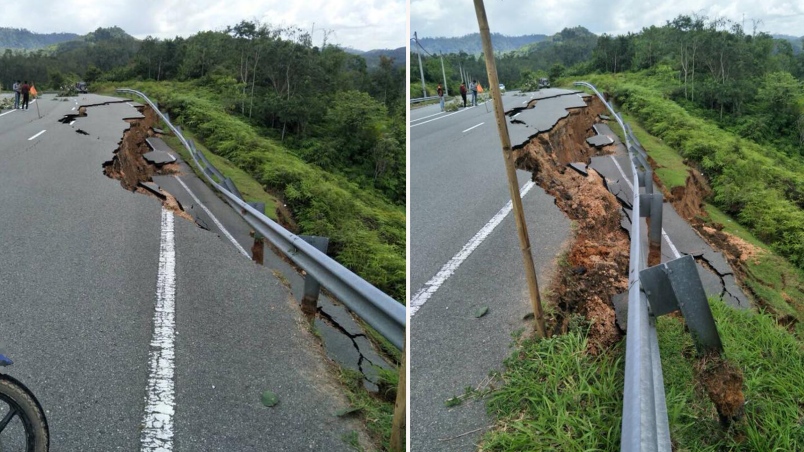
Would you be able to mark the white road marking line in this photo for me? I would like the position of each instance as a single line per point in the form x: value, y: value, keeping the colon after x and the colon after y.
x: 72, y: 122
x: 431, y: 286
x: 442, y: 117
x: 516, y: 115
x: 157, y: 432
x: 214, y: 219
x: 631, y: 186
x: 73, y: 108
x: 425, y: 117
x: 470, y: 128
x: 12, y: 111
x: 40, y: 133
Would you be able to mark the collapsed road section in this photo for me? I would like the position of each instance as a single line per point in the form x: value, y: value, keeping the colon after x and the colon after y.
x: 143, y: 164
x: 575, y: 161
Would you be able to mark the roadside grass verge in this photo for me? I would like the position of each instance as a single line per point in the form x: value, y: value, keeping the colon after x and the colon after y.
x: 555, y: 396
x: 377, y: 412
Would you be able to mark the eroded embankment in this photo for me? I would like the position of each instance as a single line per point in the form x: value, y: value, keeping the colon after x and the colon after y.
x: 596, y: 266
x: 133, y: 171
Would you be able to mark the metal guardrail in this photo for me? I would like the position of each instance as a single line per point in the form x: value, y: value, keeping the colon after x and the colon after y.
x: 376, y: 308
x: 423, y: 99
x: 645, y: 427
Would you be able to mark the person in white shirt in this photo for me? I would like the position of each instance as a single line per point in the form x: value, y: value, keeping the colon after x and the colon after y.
x: 16, y: 88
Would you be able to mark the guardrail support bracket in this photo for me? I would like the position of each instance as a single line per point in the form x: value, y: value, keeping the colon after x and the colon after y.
x: 675, y: 285
x: 312, y: 287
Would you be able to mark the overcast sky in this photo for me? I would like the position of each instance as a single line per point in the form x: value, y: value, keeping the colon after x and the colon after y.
x: 449, y: 18
x: 360, y: 24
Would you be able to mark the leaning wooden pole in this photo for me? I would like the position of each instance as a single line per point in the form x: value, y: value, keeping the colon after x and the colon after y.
x: 398, y: 426
x: 510, y: 169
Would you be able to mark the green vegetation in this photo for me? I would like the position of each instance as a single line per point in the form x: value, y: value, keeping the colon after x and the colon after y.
x: 376, y: 411
x: 555, y: 396
x: 558, y: 397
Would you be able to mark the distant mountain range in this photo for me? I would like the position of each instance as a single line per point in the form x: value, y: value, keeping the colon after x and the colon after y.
x: 795, y: 41
x: 21, y: 39
x: 372, y: 57
x: 471, y: 43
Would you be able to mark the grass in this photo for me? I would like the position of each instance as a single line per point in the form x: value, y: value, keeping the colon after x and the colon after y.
x: 251, y: 190
x: 772, y: 362
x: 377, y: 413
x: 555, y: 396
x: 558, y: 397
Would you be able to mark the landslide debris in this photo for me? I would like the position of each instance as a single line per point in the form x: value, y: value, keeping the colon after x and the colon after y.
x: 596, y: 266
x: 133, y: 171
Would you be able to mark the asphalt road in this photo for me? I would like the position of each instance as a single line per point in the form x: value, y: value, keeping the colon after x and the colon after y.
x: 81, y: 259
x: 458, y: 185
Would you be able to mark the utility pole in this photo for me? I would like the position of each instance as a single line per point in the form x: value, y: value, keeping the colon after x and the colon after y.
x: 446, y: 90
x: 421, y: 68
x: 513, y: 187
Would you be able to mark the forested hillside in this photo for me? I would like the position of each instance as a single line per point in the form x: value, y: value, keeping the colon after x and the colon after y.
x: 471, y: 44
x: 543, y: 57
x: 21, y: 39
x: 316, y: 126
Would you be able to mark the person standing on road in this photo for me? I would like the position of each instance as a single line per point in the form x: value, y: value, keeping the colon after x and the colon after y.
x: 473, y: 87
x: 463, y: 93
x: 441, y: 96
x: 16, y: 88
x: 25, y: 89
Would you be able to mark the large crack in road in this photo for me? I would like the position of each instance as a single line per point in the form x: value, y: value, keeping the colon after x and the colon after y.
x: 595, y: 270
x: 135, y: 173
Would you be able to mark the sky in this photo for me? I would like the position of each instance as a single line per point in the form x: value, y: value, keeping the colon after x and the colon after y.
x: 450, y: 18
x: 360, y: 24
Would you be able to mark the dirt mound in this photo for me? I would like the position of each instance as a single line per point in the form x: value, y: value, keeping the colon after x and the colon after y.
x: 689, y: 199
x: 723, y: 383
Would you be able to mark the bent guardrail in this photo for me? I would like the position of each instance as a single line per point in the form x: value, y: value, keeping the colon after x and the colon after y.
x: 376, y: 308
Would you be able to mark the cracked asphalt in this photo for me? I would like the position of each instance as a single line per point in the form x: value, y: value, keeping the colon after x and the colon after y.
x: 457, y: 184
x: 78, y: 292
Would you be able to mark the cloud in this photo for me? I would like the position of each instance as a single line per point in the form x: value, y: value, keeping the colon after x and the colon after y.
x: 362, y: 24
x: 432, y: 18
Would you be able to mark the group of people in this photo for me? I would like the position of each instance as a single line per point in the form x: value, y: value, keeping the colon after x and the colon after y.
x: 474, y: 87
x: 22, y: 91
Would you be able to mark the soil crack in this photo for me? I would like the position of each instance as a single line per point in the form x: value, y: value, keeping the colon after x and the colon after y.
x: 133, y: 171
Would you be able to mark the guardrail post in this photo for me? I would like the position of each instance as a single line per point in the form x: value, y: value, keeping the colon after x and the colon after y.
x: 312, y: 287
x: 258, y: 248
x: 227, y: 182
x: 400, y: 409
x: 650, y: 206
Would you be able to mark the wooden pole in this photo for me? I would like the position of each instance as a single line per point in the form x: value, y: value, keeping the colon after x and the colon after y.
x: 513, y: 187
x: 398, y: 425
